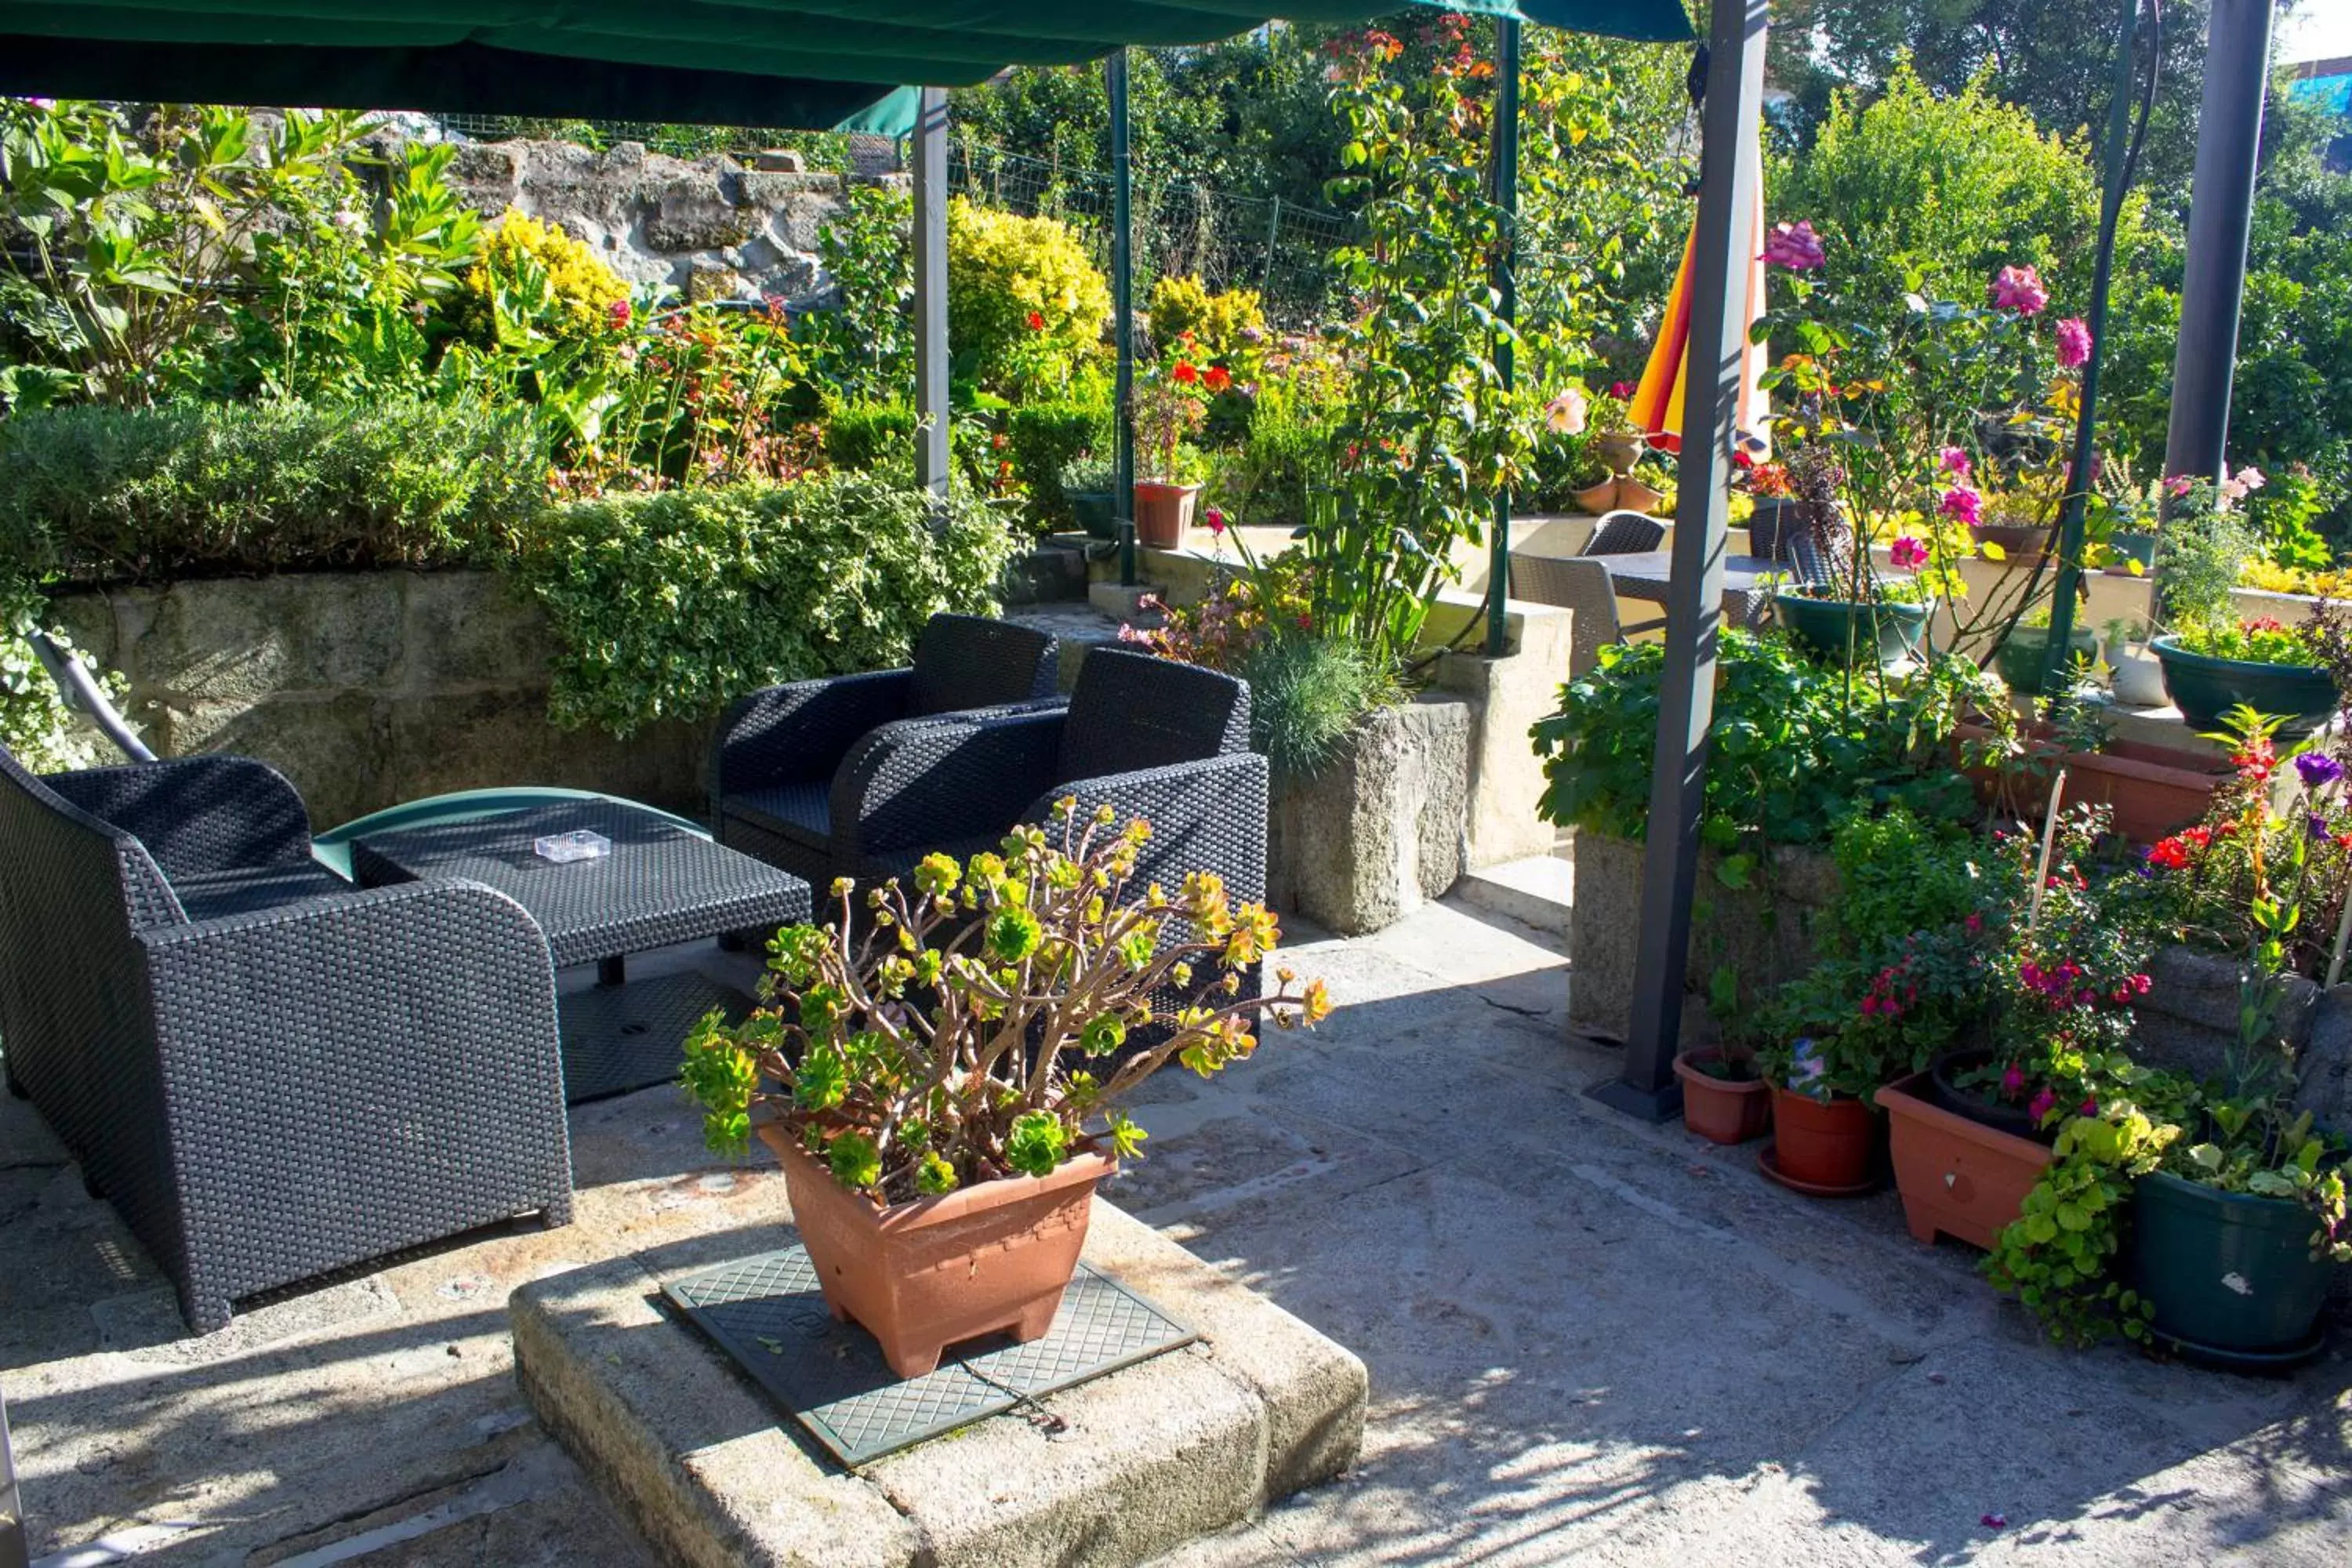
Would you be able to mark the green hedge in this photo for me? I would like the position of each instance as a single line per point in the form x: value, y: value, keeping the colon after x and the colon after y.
x: 666, y: 606
x: 102, y: 494
x: 1039, y: 437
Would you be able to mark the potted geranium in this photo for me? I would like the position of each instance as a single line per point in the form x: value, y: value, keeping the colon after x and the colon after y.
x: 946, y: 1079
x: 1840, y: 1033
x: 1169, y: 407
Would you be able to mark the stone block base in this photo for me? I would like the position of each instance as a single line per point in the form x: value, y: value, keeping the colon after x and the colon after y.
x: 1117, y: 1470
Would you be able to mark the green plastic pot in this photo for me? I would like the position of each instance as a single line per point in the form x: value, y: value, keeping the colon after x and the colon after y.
x: 1097, y: 512
x: 1826, y: 626
x: 2227, y: 1272
x: 2204, y: 688
x: 2018, y: 660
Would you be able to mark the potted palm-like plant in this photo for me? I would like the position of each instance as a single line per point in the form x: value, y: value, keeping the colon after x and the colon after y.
x: 1168, y: 408
x: 947, y: 1079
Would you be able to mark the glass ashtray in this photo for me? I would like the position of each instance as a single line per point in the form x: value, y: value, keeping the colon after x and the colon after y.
x: 580, y: 844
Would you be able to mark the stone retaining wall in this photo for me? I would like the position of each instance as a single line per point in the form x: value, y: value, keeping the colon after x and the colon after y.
x: 366, y: 688
x: 1382, y: 830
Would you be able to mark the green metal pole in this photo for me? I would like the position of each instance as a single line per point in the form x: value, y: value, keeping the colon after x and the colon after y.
x: 2055, y: 657
x: 1122, y: 299
x: 1506, y: 306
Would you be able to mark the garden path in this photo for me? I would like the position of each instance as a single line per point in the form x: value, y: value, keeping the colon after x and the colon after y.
x: 1588, y: 1339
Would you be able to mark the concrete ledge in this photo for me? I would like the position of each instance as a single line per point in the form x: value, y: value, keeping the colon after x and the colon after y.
x: 1134, y: 1463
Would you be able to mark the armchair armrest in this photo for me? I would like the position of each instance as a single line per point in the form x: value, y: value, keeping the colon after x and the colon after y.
x: 926, y: 781
x: 798, y: 732
x: 1208, y: 815
x: 352, y: 1074
x: 200, y: 814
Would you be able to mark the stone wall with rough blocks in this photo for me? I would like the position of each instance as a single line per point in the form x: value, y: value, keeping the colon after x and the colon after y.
x: 366, y: 688
x: 1382, y: 830
x: 709, y: 228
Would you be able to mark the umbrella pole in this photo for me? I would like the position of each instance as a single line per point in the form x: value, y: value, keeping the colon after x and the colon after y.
x: 1507, y: 307
x: 1729, y: 188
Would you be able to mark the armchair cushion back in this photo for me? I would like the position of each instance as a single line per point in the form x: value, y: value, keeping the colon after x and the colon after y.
x: 970, y: 661
x: 1134, y: 710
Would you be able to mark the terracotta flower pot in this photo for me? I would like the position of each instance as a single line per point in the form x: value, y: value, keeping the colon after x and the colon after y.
x: 1621, y: 450
x: 1957, y: 1176
x: 1831, y: 1147
x: 1722, y: 1109
x: 2153, y: 790
x: 1162, y: 512
x: 1600, y: 498
x: 921, y: 1276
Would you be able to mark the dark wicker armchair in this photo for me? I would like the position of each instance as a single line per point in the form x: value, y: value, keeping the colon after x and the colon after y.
x: 270, y: 1073
x: 776, y: 753
x: 1149, y: 737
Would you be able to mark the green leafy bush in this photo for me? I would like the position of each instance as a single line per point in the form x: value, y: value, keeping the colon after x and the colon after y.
x: 1220, y: 323
x: 1792, y: 750
x: 865, y: 346
x: 867, y: 435
x: 192, y: 490
x: 35, y: 723
x: 666, y: 606
x: 1039, y: 438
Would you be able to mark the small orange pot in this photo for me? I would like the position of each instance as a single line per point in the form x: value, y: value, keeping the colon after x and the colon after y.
x: 1719, y: 1110
x: 1162, y: 512
x: 1957, y: 1175
x: 922, y: 1275
x: 1831, y: 1146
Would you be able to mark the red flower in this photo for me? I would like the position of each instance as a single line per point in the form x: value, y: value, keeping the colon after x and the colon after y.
x: 619, y: 313
x: 2168, y: 854
x: 1185, y: 373
x: 1036, y: 320
x: 1218, y: 378
x: 1216, y: 520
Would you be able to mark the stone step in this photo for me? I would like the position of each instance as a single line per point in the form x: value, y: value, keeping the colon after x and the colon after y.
x: 1535, y: 891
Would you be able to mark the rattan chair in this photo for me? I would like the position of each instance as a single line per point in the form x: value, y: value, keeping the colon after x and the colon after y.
x: 776, y: 755
x: 1625, y: 534
x: 1582, y: 586
x: 270, y: 1074
x: 1778, y: 533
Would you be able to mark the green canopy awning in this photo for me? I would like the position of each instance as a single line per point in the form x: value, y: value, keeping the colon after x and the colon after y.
x: 816, y: 63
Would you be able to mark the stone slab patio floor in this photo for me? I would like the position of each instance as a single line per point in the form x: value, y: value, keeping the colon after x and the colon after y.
x: 1588, y: 1340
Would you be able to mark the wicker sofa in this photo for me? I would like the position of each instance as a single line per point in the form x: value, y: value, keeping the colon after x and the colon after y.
x: 270, y: 1074
x: 776, y: 757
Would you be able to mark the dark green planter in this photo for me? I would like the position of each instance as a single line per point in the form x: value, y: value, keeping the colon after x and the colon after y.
x: 2018, y: 660
x: 2132, y: 545
x: 2227, y: 1272
x: 1826, y: 624
x: 1097, y: 512
x: 2204, y: 688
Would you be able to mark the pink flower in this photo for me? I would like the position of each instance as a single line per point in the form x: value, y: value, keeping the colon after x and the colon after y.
x: 619, y: 313
x: 2090, y: 1107
x: 2180, y: 485
x: 1963, y: 504
x: 2019, y: 288
x: 1907, y: 553
x: 1953, y: 461
x: 2242, y: 484
x: 1622, y: 391
x: 1796, y: 247
x: 1973, y: 924
x: 2013, y: 1082
x: 2074, y: 342
x: 2040, y: 1105
x: 1566, y: 414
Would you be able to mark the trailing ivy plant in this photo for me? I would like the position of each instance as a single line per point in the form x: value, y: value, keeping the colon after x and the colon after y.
x: 665, y: 606
x: 2058, y: 1256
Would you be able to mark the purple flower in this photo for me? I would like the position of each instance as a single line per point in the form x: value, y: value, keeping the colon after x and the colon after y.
x: 2318, y: 768
x: 1796, y: 247
x: 2019, y: 288
x: 2316, y: 826
x: 2074, y: 342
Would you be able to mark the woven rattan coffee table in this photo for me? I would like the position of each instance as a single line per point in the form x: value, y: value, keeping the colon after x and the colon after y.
x: 659, y: 886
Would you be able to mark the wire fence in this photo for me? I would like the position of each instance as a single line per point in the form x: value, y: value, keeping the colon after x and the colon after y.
x: 1282, y: 250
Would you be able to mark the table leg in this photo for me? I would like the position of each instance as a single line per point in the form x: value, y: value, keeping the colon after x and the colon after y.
x: 613, y: 971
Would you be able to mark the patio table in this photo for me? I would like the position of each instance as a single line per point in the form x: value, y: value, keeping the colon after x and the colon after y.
x: 1647, y: 574
x: 658, y: 885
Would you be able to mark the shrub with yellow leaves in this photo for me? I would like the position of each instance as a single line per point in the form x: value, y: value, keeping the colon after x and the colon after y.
x: 985, y: 1020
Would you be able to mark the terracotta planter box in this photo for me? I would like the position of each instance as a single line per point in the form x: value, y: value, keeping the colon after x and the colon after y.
x: 1162, y: 512
x: 1957, y: 1178
x: 922, y: 1275
x: 2154, y: 789
x: 1719, y: 1110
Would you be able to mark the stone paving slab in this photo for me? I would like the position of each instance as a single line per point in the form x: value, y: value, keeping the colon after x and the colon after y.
x: 1115, y: 1471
